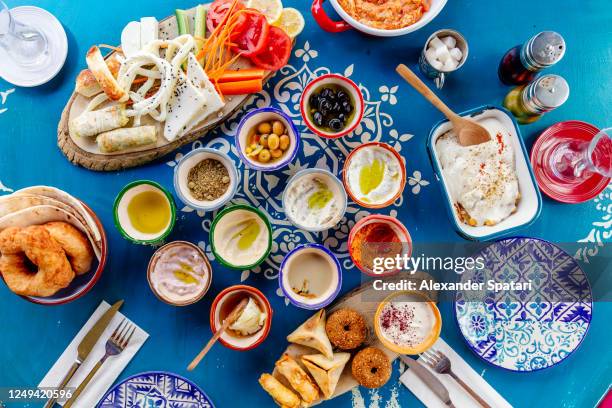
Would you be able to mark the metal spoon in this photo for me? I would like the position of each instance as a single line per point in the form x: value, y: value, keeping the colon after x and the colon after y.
x: 468, y: 131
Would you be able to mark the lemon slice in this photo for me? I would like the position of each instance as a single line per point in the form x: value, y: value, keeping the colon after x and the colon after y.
x: 291, y: 21
x: 272, y: 9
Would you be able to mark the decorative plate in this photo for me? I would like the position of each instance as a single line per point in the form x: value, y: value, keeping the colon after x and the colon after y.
x: 155, y: 389
x: 531, y: 329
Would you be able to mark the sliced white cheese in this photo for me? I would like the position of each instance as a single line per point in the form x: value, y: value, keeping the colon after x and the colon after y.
x: 130, y: 39
x: 149, y: 30
x: 185, y: 103
x: 197, y: 76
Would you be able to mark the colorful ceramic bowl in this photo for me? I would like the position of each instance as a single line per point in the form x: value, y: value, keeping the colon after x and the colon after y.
x: 224, y: 304
x: 310, y: 276
x: 402, y: 171
x: 155, y: 389
x: 229, y: 231
x: 81, y: 283
x: 122, y: 219
x: 351, y: 88
x: 418, y: 303
x: 189, y: 161
x: 396, y: 226
x: 247, y: 126
x: 348, y: 22
x: 308, y: 175
x: 530, y: 203
x: 153, y: 262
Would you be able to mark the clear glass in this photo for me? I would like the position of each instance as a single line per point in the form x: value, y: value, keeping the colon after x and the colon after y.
x: 574, y: 161
x: 26, y: 45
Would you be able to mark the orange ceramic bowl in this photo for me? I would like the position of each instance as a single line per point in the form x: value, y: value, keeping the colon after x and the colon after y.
x: 430, y: 339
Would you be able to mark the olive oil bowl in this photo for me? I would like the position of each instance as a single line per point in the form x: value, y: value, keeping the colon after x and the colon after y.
x: 144, y: 212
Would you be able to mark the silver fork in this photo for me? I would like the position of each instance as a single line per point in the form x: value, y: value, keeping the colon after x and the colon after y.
x: 441, y: 364
x: 116, y: 343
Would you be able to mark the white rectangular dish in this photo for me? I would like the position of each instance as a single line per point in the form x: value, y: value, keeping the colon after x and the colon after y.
x: 530, y: 203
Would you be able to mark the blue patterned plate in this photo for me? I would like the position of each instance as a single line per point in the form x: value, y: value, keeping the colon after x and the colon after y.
x: 525, y: 330
x: 155, y: 389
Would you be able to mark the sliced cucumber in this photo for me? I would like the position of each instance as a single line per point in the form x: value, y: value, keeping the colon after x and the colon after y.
x: 182, y: 22
x: 200, y: 21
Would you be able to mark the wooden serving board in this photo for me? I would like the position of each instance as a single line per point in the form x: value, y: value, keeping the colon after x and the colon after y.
x: 83, y: 151
x: 365, y: 300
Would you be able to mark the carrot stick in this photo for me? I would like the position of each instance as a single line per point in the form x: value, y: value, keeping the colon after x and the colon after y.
x: 241, y: 75
x: 240, y: 87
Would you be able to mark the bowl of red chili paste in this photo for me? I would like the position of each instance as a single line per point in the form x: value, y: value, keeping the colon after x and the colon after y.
x: 376, y: 238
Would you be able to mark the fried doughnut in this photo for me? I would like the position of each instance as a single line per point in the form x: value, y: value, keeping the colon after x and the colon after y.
x: 8, y: 244
x: 74, y: 243
x: 38, y: 248
x: 371, y: 367
x: 346, y: 329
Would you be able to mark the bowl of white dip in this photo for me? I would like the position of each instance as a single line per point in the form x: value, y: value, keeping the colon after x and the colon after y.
x: 252, y: 326
x: 241, y: 237
x: 374, y: 175
x: 314, y: 200
x: 310, y: 276
x: 489, y: 189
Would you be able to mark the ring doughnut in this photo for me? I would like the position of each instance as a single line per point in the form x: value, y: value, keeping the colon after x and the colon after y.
x: 74, y: 243
x: 51, y: 270
x: 346, y: 329
x: 371, y: 367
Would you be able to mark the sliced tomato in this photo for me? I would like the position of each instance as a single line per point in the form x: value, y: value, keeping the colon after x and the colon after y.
x: 277, y: 51
x: 251, y: 35
x: 217, y: 12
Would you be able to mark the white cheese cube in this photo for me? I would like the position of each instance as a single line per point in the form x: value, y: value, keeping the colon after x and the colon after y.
x: 442, y: 54
x: 450, y: 65
x: 437, y: 64
x: 456, y: 54
x: 436, y: 43
x: 430, y: 54
x: 450, y: 42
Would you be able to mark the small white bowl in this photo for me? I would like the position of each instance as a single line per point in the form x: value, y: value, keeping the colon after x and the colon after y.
x: 234, y: 294
x: 190, y: 160
x: 254, y: 118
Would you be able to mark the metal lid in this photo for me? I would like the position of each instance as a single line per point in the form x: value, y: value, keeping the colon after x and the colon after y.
x: 543, y: 50
x: 547, y: 92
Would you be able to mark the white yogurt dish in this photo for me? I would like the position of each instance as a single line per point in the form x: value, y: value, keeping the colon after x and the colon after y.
x: 509, y: 218
x: 314, y: 200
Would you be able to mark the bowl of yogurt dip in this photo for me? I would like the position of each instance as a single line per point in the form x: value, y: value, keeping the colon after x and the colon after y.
x: 374, y: 175
x: 407, y: 322
x: 314, y: 200
x: 179, y: 273
x: 310, y: 276
x: 241, y: 237
x: 252, y: 326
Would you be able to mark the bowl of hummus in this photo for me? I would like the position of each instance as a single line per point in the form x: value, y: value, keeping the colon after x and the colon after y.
x: 374, y: 175
x: 407, y: 322
x: 179, y: 273
x: 381, y: 18
x: 241, y: 237
x: 489, y: 189
x: 253, y: 324
x: 314, y: 200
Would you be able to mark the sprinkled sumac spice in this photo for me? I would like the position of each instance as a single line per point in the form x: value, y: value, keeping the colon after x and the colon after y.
x: 208, y: 180
x: 402, y: 324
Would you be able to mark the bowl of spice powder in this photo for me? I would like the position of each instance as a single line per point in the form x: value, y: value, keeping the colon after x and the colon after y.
x: 205, y: 179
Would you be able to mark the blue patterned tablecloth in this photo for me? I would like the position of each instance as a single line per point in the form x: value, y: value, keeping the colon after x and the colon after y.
x: 32, y: 336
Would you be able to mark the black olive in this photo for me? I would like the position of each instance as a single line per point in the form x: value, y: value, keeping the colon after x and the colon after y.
x: 335, y: 124
x: 325, y: 107
x: 318, y: 118
x: 326, y: 92
x: 342, y: 96
x: 342, y: 117
x: 336, y: 107
x: 314, y: 101
x: 348, y: 108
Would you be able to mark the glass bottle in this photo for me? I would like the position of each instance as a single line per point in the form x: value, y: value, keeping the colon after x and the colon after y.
x: 529, y: 102
x: 520, y: 64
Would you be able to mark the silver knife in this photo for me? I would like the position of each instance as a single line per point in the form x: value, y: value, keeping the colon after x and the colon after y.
x: 429, y: 379
x: 86, y: 345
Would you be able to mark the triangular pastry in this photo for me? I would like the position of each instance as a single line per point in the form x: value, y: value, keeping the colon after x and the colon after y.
x: 312, y: 334
x: 326, y: 372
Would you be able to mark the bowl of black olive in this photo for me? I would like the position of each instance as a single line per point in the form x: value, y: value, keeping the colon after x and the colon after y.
x: 332, y: 106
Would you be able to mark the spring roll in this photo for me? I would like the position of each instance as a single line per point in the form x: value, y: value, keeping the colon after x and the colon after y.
x: 122, y: 139
x: 298, y: 379
x: 282, y: 395
x: 95, y: 122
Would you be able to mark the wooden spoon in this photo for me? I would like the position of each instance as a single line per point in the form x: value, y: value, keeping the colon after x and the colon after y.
x: 468, y: 131
x: 233, y: 316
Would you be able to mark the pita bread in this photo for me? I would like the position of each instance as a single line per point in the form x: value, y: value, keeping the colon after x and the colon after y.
x: 326, y: 372
x: 42, y: 214
x: 312, y: 334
